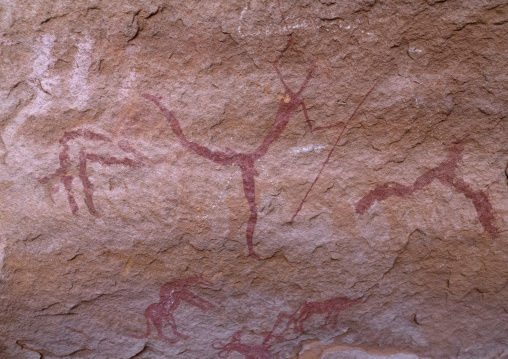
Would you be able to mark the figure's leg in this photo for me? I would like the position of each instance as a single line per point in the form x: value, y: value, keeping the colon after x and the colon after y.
x: 171, y: 321
x: 87, y: 185
x: 152, y: 312
x: 67, y: 182
x: 250, y: 194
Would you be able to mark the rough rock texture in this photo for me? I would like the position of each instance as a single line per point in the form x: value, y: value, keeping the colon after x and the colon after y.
x: 310, y: 179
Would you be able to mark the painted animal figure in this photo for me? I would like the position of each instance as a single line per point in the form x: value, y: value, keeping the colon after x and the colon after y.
x: 445, y: 173
x: 177, y: 291
x: 331, y: 307
x: 171, y: 295
x: 249, y: 351
x: 156, y: 313
x: 65, y: 174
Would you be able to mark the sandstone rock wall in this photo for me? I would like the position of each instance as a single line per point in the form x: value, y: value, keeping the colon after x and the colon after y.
x: 253, y: 179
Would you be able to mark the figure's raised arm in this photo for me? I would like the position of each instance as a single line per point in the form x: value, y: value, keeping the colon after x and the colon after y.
x: 215, y: 156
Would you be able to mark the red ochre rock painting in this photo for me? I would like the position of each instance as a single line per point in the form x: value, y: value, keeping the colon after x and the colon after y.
x: 64, y: 171
x: 245, y: 161
x: 288, y: 106
x: 331, y: 308
x: 171, y: 295
x: 249, y: 351
x: 444, y: 173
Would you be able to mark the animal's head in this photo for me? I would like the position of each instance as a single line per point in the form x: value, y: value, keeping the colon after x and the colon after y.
x: 198, y: 279
x: 226, y: 349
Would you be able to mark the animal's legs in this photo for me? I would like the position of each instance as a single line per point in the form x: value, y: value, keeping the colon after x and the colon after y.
x: 171, y: 321
x: 250, y: 194
x: 157, y: 322
x: 299, y: 321
x: 87, y: 185
x: 327, y: 319
x: 279, y: 320
x: 67, y: 182
x: 335, y: 321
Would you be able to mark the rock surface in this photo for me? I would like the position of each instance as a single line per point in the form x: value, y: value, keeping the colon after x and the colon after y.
x: 254, y: 179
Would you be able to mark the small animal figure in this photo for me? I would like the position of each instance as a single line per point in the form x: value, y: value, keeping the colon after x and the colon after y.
x: 249, y: 351
x: 66, y: 173
x: 155, y: 313
x: 331, y: 307
x: 445, y: 173
x: 171, y: 295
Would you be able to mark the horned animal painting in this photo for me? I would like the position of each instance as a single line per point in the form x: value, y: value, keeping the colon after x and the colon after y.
x: 446, y: 174
x: 171, y: 295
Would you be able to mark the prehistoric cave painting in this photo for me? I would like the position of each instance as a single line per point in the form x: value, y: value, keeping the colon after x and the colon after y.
x: 249, y: 351
x: 171, y: 295
x: 65, y: 174
x: 288, y: 106
x: 331, y: 308
x: 445, y: 173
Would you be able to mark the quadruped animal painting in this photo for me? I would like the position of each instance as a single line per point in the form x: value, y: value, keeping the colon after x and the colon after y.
x: 315, y: 313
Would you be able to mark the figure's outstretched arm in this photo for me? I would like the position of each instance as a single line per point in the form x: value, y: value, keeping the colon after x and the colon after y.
x: 215, y: 156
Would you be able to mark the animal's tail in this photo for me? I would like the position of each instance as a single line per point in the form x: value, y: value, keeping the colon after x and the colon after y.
x: 147, y: 331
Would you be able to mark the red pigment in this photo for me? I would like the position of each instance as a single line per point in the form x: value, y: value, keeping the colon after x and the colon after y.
x: 445, y: 173
x: 84, y: 157
x: 171, y: 295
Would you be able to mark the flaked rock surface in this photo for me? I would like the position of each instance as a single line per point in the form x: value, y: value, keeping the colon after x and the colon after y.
x: 254, y: 179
